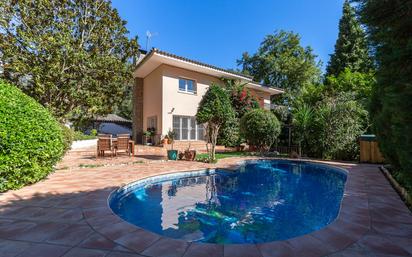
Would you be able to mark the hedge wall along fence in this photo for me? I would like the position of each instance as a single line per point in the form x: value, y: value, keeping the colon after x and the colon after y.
x: 31, y: 140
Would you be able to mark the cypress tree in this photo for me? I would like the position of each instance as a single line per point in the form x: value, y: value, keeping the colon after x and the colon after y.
x: 389, y: 25
x: 351, y: 49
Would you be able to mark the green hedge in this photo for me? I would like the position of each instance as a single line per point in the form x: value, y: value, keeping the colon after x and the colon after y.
x: 260, y: 128
x: 31, y: 140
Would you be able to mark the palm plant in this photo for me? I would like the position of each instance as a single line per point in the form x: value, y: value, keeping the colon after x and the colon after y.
x: 302, y: 120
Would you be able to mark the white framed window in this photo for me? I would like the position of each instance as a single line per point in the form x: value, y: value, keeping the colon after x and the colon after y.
x: 186, y: 128
x: 152, y: 123
x: 187, y: 85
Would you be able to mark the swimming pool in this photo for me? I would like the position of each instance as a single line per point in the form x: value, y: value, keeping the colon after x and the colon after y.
x: 262, y: 201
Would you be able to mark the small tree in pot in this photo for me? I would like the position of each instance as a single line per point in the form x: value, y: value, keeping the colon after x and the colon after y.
x: 171, y: 154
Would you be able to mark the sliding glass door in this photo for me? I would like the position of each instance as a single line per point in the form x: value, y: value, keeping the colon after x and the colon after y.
x: 186, y: 128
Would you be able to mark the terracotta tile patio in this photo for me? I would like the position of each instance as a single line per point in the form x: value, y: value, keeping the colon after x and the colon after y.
x: 67, y: 215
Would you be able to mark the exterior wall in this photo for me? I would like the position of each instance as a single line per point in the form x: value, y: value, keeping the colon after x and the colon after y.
x: 181, y: 103
x: 262, y: 97
x: 137, y: 103
x: 152, y: 98
x: 161, y: 97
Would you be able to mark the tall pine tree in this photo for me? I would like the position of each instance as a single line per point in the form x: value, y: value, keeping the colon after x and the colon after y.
x: 351, y: 49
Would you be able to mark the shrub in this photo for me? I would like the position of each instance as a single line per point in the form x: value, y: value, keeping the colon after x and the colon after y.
x: 78, y: 135
x: 93, y: 132
x: 31, y: 140
x: 68, y: 137
x: 229, y: 134
x: 340, y: 121
x: 260, y: 128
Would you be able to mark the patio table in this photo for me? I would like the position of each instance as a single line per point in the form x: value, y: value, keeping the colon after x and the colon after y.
x: 131, y: 144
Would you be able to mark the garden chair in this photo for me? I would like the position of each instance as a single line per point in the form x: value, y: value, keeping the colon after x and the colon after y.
x: 123, y: 144
x: 123, y: 135
x: 105, y: 143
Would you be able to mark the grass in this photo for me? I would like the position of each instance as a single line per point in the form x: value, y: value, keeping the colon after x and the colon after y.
x: 90, y: 165
x: 222, y: 155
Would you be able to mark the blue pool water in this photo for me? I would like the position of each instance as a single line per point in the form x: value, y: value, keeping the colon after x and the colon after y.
x: 260, y: 202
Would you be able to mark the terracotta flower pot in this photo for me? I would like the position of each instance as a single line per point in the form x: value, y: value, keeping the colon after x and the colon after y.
x: 190, y: 155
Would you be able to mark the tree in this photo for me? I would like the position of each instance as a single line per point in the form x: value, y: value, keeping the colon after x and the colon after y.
x: 389, y: 27
x: 302, y: 121
x: 74, y: 57
x: 351, y: 49
x: 260, y: 128
x: 327, y: 124
x: 240, y: 97
x: 125, y: 107
x: 242, y: 101
x: 281, y: 61
x: 213, y: 111
x: 359, y: 84
x: 339, y: 122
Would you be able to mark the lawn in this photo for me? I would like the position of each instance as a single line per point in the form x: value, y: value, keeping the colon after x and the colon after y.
x: 223, y: 155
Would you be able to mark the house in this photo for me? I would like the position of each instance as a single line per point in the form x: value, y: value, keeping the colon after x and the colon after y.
x: 167, y: 91
x: 111, y: 124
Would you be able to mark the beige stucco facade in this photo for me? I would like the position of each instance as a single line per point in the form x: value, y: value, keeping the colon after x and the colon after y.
x: 181, y: 103
x: 162, y: 98
x: 152, y: 98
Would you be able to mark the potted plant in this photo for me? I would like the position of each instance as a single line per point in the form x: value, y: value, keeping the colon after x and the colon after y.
x: 190, y: 155
x: 165, y: 140
x: 149, y: 133
x: 171, y: 154
x: 181, y: 155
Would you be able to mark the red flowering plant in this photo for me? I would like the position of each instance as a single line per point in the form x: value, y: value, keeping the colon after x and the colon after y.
x: 242, y: 101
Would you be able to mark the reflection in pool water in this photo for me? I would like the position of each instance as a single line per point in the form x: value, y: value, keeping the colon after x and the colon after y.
x: 262, y: 201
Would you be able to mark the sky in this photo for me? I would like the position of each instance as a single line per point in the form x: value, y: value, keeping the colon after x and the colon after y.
x: 217, y: 32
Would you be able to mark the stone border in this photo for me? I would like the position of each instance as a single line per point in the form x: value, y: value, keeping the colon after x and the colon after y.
x: 398, y: 188
x: 352, y: 222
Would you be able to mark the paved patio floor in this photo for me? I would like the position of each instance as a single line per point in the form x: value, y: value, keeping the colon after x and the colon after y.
x: 67, y: 215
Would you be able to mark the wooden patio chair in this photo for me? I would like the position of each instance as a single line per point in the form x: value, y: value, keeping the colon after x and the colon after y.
x: 123, y: 144
x: 105, y: 143
x: 123, y: 135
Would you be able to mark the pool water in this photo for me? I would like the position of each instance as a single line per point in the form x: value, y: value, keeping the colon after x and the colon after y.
x: 260, y: 202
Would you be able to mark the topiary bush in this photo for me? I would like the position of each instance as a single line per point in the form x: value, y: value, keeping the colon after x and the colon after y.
x: 260, y: 128
x: 31, y: 140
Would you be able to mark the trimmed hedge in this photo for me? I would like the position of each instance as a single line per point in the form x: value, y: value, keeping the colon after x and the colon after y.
x: 260, y: 128
x: 31, y: 140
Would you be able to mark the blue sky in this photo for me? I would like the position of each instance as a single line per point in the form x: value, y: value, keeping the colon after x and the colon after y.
x: 219, y: 31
